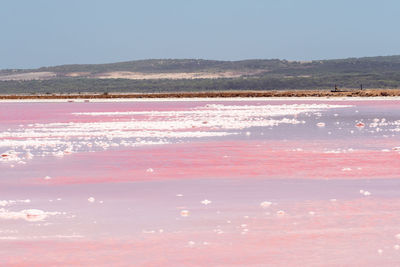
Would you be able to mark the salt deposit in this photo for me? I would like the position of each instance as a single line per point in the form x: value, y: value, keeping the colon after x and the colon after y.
x: 184, y: 213
x: 265, y: 204
x: 206, y: 202
x: 32, y: 215
x: 364, y: 192
x: 385, y: 125
x: 141, y: 128
x: 4, y: 203
x: 280, y: 213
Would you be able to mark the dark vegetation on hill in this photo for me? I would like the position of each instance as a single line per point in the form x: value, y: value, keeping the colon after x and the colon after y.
x: 372, y: 72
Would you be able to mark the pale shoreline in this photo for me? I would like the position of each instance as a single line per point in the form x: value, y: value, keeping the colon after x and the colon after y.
x: 202, y: 99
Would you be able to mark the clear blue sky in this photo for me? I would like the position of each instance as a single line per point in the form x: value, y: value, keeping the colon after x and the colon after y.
x: 38, y: 33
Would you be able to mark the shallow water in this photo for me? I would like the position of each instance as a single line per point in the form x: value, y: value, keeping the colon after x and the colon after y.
x: 200, y: 183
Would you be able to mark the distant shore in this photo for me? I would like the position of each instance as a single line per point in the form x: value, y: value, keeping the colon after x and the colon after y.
x: 215, y: 94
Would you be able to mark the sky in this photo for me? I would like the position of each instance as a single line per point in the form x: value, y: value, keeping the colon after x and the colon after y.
x: 35, y: 33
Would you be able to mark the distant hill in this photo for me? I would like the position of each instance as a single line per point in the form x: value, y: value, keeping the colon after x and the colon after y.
x: 167, y: 75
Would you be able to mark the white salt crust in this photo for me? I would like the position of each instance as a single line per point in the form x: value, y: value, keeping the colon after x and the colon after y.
x: 32, y: 215
x: 141, y: 128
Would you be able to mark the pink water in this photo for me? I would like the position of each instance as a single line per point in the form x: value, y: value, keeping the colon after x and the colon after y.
x: 200, y: 183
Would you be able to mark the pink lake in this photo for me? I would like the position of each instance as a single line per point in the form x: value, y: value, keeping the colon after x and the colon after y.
x: 221, y: 182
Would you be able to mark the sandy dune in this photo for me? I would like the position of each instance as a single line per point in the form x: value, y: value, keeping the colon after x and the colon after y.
x: 77, y: 74
x: 172, y: 76
x: 28, y: 76
x: 126, y: 75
